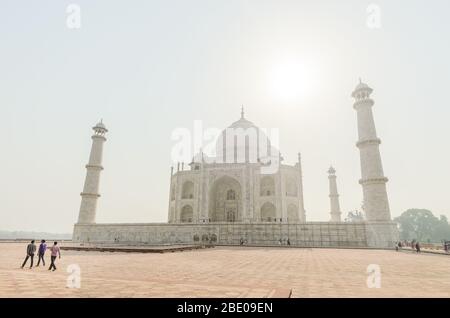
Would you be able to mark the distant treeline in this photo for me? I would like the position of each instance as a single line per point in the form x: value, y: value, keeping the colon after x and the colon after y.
x: 423, y: 226
x: 17, y: 235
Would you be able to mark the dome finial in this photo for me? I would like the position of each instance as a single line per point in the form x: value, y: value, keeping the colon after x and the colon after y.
x: 242, y: 111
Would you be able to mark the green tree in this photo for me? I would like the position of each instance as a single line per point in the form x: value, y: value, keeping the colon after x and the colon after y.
x: 442, y: 232
x: 422, y: 225
x: 354, y: 216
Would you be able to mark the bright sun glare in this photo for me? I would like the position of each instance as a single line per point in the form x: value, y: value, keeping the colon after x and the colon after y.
x: 290, y: 81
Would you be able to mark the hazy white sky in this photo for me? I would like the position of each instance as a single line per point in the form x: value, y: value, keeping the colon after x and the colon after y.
x: 148, y: 67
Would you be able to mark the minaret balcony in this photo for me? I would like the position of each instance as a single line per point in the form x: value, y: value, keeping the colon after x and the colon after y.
x: 373, y: 181
x: 97, y: 136
x: 94, y: 167
x: 368, y: 102
x: 366, y: 142
x: 93, y: 195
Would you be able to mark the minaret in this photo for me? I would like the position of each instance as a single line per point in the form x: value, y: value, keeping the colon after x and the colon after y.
x: 90, y: 193
x: 335, y: 209
x: 373, y: 181
x: 301, y: 205
x: 171, y: 196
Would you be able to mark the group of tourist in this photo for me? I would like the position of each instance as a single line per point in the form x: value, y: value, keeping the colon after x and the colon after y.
x: 446, y: 246
x: 285, y: 241
x: 415, y: 246
x: 31, y: 250
x: 242, y: 241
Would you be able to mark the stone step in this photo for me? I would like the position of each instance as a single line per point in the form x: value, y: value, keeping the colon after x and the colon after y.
x: 161, y: 249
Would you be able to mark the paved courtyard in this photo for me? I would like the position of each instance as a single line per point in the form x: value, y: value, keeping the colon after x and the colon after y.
x: 228, y: 272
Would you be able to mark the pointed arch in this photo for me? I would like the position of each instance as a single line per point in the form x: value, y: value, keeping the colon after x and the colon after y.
x: 267, y: 186
x: 268, y: 212
x: 225, y: 200
x: 187, y: 191
x: 187, y: 214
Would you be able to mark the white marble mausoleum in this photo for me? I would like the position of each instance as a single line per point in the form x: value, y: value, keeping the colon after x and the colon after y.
x: 245, y: 193
x: 232, y: 190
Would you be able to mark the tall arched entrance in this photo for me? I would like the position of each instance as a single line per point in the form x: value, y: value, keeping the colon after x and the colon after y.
x: 225, y: 200
x: 186, y: 214
x: 268, y: 212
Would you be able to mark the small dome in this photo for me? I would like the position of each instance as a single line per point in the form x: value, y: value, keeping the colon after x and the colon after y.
x: 100, y: 127
x: 200, y: 157
x: 331, y: 170
x: 361, y: 87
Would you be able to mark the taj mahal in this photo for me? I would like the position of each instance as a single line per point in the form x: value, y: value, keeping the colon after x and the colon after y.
x: 226, y: 189
x: 245, y: 193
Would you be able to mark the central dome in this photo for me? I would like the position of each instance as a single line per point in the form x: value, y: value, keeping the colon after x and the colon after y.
x: 243, y: 142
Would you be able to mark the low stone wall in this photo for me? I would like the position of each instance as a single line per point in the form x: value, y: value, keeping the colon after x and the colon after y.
x: 310, y: 234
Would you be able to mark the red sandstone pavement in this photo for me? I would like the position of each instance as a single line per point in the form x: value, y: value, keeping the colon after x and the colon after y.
x: 228, y: 272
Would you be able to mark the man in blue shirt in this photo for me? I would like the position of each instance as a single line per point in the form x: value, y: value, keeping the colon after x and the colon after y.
x: 41, y: 253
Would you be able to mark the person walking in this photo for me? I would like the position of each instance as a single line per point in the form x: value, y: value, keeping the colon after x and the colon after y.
x: 31, y: 249
x: 417, y: 247
x: 41, y: 253
x: 55, y: 251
